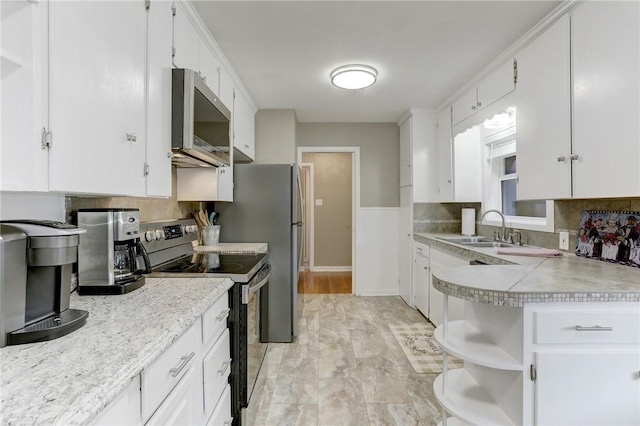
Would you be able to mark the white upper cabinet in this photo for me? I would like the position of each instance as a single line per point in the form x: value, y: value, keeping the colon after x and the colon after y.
x: 159, y: 68
x: 606, y: 99
x: 467, y: 171
x: 493, y: 87
x: 418, y: 156
x: 405, y: 153
x: 24, y: 164
x: 543, y: 108
x: 226, y: 88
x: 445, y: 179
x: 186, y: 41
x: 191, y: 50
x: 243, y: 118
x: 97, y: 97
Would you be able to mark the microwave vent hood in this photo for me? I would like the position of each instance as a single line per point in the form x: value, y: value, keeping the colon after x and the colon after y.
x: 200, y: 123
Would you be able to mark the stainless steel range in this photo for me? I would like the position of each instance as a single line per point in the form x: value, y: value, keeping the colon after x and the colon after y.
x: 169, y: 245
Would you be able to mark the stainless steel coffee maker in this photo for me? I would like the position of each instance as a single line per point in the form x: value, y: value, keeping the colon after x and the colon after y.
x: 111, y: 258
x: 37, y: 258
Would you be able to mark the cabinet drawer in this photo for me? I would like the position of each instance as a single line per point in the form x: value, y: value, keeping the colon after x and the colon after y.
x: 216, y: 369
x: 168, y: 369
x: 421, y: 250
x: 222, y: 414
x: 587, y: 326
x: 214, y: 321
x: 181, y: 406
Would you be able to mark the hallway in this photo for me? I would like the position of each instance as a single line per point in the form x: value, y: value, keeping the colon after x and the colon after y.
x: 346, y: 368
x: 324, y: 282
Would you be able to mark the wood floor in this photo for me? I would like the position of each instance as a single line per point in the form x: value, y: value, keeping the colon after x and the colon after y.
x: 324, y: 282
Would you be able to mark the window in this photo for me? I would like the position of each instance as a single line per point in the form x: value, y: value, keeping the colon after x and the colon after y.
x: 501, y: 174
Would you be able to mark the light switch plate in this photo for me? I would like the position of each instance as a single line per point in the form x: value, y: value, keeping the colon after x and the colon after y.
x: 564, y: 240
x: 319, y: 202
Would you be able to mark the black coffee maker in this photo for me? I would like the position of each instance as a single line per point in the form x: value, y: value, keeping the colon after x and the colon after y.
x: 111, y: 258
x: 37, y: 258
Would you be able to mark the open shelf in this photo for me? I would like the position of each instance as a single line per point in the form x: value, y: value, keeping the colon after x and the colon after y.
x: 467, y: 343
x: 467, y: 401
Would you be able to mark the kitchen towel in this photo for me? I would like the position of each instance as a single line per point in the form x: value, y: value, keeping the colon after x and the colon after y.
x: 468, y: 222
x: 528, y: 251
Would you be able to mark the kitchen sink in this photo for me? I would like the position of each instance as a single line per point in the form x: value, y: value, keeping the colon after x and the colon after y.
x: 481, y: 244
x: 465, y: 240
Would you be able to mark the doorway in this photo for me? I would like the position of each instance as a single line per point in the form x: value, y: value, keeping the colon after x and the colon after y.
x: 331, y: 196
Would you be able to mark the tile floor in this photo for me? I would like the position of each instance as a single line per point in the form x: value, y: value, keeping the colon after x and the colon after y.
x: 346, y: 368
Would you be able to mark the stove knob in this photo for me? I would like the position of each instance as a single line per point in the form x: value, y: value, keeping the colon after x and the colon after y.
x: 149, y: 236
x: 159, y: 234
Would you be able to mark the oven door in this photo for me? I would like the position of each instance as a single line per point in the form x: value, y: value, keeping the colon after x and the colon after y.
x: 252, y: 350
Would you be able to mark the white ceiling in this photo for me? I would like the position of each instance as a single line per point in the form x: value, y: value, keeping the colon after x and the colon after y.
x: 283, y: 51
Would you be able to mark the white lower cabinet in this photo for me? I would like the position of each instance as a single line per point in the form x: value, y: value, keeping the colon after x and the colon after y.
x: 421, y: 277
x: 182, y: 405
x: 222, y: 414
x: 543, y: 364
x: 216, y: 369
x: 124, y: 410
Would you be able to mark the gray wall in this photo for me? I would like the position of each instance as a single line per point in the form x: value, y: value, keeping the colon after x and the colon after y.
x: 275, y: 136
x: 332, y: 220
x: 379, y: 155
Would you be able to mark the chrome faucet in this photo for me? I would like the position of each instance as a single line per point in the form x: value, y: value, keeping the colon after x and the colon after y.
x: 504, y: 226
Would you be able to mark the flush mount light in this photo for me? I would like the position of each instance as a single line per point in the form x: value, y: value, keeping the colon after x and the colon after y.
x: 354, y: 76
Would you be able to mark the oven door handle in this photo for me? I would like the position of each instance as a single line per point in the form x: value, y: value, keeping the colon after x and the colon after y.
x: 254, y: 285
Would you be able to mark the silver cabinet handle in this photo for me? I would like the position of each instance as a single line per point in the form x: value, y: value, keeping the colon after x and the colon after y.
x: 246, y: 146
x: 224, y: 367
x: 479, y: 104
x: 593, y: 328
x: 132, y: 137
x: 574, y: 157
x: 223, y: 314
x: 183, y: 363
x: 561, y: 159
x: 228, y: 422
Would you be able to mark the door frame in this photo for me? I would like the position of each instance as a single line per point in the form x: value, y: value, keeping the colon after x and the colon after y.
x: 309, y: 203
x: 355, y: 196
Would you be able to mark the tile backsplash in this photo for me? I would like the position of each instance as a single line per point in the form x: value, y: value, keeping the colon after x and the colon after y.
x: 446, y: 217
x: 151, y: 209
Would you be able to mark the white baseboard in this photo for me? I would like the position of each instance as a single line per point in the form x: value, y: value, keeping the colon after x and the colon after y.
x: 331, y: 269
x: 382, y: 292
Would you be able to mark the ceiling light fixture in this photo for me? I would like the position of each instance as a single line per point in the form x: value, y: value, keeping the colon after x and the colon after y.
x: 353, y: 76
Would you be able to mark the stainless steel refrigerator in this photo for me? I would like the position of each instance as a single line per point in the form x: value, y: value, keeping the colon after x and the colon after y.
x: 267, y: 207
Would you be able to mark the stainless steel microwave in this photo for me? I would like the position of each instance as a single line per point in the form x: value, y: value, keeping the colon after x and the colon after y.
x: 200, y: 123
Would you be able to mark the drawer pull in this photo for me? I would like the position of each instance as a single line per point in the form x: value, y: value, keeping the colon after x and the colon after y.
x: 224, y: 367
x: 183, y: 363
x: 223, y: 314
x: 228, y: 422
x: 593, y: 328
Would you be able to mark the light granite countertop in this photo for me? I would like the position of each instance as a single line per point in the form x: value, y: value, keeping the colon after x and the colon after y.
x: 516, y: 280
x: 234, y: 248
x: 69, y: 380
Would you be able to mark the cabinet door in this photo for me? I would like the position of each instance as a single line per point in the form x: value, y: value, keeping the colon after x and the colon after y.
x: 421, y: 277
x: 445, y: 183
x: 226, y: 89
x: 225, y: 184
x: 243, y: 125
x: 587, y: 388
x: 124, y: 410
x: 405, y: 153
x: 208, y: 67
x: 605, y: 54
x: 465, y: 106
x: 186, y: 41
x: 97, y: 97
x: 159, y: 99
x: 406, y: 240
x: 496, y: 85
x: 23, y: 163
x: 467, y: 163
x: 544, y: 115
x: 183, y: 405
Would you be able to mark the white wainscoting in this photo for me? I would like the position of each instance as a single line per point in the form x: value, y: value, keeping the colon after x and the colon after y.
x: 377, y: 250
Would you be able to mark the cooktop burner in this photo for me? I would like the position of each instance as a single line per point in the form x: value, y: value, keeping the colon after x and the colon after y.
x: 213, y: 263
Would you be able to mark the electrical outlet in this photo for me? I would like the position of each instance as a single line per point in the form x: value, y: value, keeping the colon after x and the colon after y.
x: 564, y: 241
